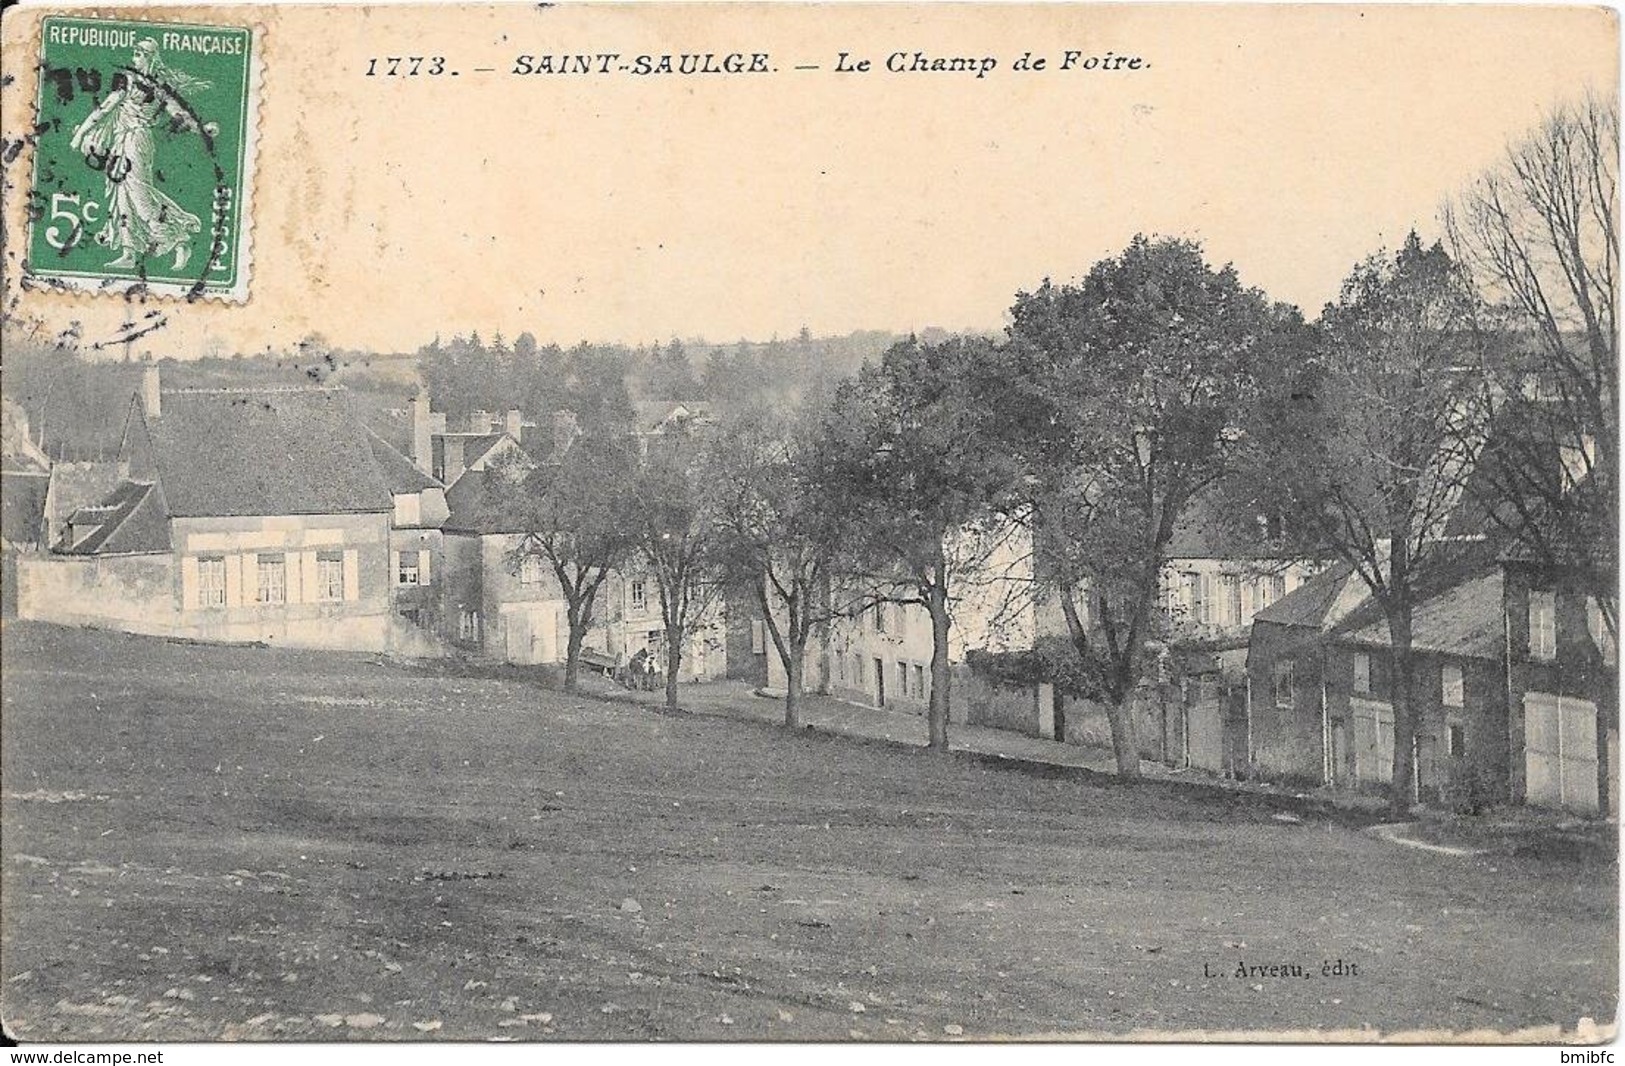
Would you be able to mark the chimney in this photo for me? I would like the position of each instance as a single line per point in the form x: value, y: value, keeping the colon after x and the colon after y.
x: 514, y: 425
x: 151, y: 401
x: 422, y: 441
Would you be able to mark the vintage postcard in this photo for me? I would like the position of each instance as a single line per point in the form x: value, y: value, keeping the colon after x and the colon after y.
x: 754, y: 522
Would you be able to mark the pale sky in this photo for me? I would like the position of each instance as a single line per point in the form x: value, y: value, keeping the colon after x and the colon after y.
x: 1292, y: 141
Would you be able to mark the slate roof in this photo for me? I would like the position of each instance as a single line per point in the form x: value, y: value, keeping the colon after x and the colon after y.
x: 22, y: 507
x: 1204, y: 531
x: 1463, y: 620
x: 273, y: 451
x: 75, y: 485
x: 1309, y: 603
x: 651, y: 414
x: 133, y: 520
x: 478, y: 505
x: 398, y: 471
x: 476, y: 446
x: 1570, y: 531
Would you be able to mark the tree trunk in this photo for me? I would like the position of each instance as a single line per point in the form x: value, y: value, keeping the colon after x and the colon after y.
x: 1403, y: 787
x: 937, y: 712
x: 674, y: 662
x: 572, y: 652
x: 1125, y: 744
x: 792, y: 685
x: 1058, y: 707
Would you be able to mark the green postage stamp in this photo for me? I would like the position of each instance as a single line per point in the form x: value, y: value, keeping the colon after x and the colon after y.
x: 143, y: 158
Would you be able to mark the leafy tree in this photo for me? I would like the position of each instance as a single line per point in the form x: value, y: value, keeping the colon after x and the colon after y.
x: 1369, y: 457
x: 909, y: 467
x: 1123, y: 397
x: 595, y: 387
x: 677, y: 530
x: 672, y: 375
x: 579, y: 522
x: 780, y: 536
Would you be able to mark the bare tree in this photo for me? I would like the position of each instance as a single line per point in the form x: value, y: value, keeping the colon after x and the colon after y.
x: 1538, y: 235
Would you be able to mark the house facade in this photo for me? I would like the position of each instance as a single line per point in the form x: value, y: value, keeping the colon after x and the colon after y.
x: 1562, y: 675
x: 240, y: 515
x: 878, y: 652
x: 1513, y: 689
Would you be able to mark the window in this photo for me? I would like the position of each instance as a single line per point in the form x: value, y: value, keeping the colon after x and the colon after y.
x: 468, y: 626
x: 1232, y: 599
x: 1457, y: 740
x: 902, y: 678
x: 330, y: 575
x: 1194, y: 599
x: 1542, y: 625
x: 919, y: 681
x: 272, y: 586
x: 640, y: 596
x: 1600, y: 634
x: 211, y: 581
x: 758, y: 637
x: 407, y: 571
x: 1452, y: 688
x: 857, y: 668
x: 1282, y: 677
x: 880, y: 618
x: 530, y: 570
x: 1362, y: 672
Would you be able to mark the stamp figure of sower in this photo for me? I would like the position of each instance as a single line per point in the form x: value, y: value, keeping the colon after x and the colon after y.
x: 117, y: 138
x: 143, y: 158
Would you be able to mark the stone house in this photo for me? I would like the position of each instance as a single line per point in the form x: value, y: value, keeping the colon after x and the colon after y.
x: 243, y: 514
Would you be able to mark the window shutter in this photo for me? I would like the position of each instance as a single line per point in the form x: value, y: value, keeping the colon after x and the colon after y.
x: 234, y: 581
x: 307, y: 576
x: 394, y: 568
x: 423, y: 566
x: 292, y: 571
x: 352, y: 575
x: 757, y: 642
x: 189, y: 582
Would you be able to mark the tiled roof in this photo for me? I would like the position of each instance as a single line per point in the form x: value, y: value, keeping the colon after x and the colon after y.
x: 22, y: 507
x: 264, y: 452
x: 1462, y: 620
x: 399, y: 473
x: 132, y: 520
